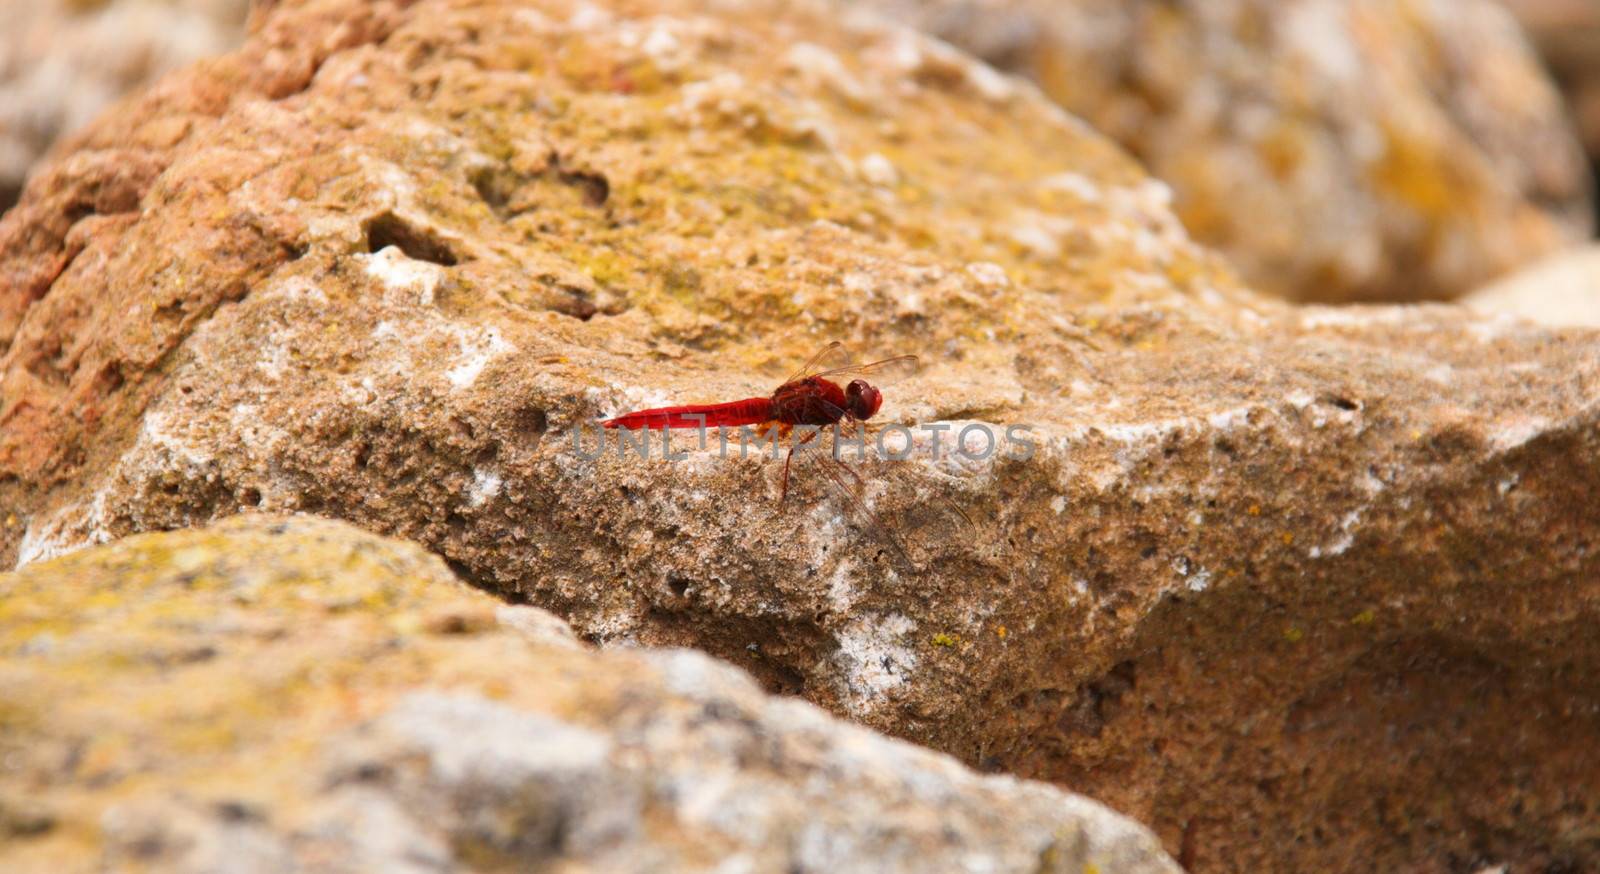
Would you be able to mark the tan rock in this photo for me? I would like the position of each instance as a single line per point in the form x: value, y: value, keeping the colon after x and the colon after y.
x: 1267, y: 563
x: 1567, y: 33
x: 1335, y: 149
x: 1562, y: 292
x: 63, y: 61
x: 270, y: 695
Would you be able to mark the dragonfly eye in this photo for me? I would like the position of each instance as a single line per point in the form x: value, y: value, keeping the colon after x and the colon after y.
x: 862, y: 399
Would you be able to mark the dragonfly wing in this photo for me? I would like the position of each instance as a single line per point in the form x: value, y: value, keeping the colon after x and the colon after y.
x: 831, y: 355
x: 859, y: 432
x: 886, y: 371
x: 819, y: 461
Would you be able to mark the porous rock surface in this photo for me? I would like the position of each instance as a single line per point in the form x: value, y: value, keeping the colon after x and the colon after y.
x: 1301, y: 588
x: 63, y: 61
x: 1334, y: 149
x: 276, y: 695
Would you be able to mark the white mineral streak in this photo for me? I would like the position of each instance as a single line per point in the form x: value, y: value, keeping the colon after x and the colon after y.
x: 875, y: 659
x: 478, y: 349
x: 391, y: 267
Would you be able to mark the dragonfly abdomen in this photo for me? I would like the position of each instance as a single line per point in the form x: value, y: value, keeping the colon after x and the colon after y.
x: 750, y: 411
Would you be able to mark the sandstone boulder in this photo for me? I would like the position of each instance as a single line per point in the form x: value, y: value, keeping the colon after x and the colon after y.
x: 296, y: 695
x: 1301, y: 588
x: 1335, y: 149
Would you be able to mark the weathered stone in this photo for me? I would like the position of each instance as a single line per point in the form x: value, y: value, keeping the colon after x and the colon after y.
x: 63, y: 61
x: 1335, y: 149
x: 1567, y: 33
x: 1267, y: 563
x: 279, y: 695
x: 1563, y: 291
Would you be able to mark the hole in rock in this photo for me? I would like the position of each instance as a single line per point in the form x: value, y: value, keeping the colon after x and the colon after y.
x: 596, y: 188
x: 495, y: 187
x: 471, y: 577
x: 77, y: 211
x: 488, y: 453
x: 531, y: 425
x: 418, y: 244
x: 109, y: 379
x: 235, y: 811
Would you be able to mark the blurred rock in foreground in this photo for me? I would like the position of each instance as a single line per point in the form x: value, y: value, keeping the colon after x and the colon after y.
x: 1266, y: 563
x: 1334, y: 149
x: 296, y: 695
x: 63, y: 61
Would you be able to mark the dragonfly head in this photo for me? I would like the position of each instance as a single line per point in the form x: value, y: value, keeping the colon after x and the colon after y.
x: 861, y: 399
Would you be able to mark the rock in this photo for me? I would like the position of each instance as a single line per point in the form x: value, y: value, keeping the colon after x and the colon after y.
x: 1563, y: 291
x: 63, y: 61
x: 275, y: 694
x: 1336, y: 150
x: 1266, y: 562
x: 1567, y: 33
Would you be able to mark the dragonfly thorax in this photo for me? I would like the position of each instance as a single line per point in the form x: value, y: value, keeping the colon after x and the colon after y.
x: 812, y: 401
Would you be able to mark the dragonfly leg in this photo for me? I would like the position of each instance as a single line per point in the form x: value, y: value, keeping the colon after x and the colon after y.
x: 783, y: 493
x: 839, y: 462
x: 861, y: 484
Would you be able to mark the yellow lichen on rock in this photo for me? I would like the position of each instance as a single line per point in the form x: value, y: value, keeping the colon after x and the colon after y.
x: 295, y: 695
x: 210, y: 659
x: 406, y: 250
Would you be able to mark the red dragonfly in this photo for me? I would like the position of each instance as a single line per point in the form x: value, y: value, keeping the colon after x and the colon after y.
x: 811, y: 397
